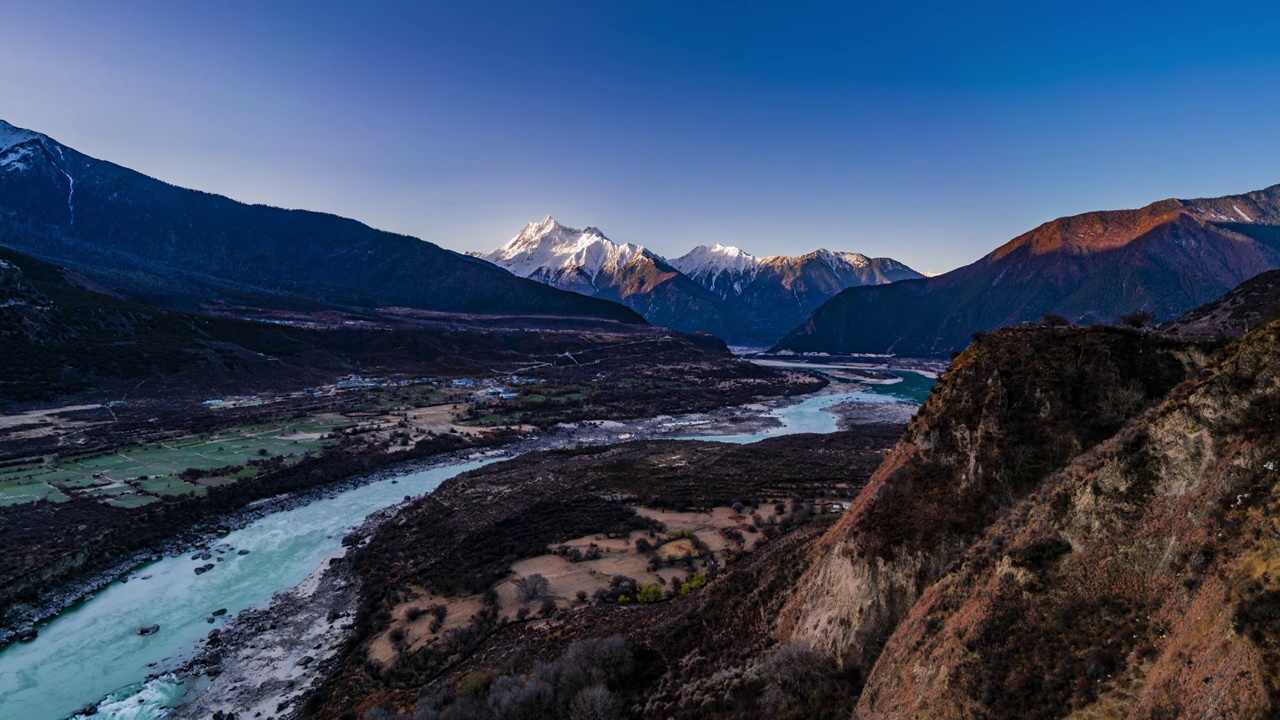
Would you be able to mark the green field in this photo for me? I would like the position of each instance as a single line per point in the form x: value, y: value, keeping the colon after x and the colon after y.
x: 16, y: 492
x: 169, y: 486
x: 130, y: 500
x: 140, y: 473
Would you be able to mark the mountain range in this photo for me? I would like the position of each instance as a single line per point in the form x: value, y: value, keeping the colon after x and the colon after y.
x: 717, y: 289
x: 163, y: 245
x: 159, y: 243
x: 1165, y: 259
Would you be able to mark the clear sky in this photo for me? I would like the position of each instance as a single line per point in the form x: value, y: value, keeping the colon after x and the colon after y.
x: 929, y: 133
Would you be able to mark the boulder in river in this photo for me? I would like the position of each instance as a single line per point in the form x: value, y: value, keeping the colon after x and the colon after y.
x: 219, y: 612
x: 148, y: 629
x: 305, y: 660
x: 243, y: 552
x: 204, y: 568
x: 27, y: 635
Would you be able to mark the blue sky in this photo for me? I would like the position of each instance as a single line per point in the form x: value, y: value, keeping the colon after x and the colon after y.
x: 927, y: 133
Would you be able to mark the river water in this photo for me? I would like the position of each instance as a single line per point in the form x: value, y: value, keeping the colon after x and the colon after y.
x: 92, y: 652
x: 808, y: 416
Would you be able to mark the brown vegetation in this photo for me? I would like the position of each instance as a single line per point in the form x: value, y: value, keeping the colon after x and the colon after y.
x: 462, y: 541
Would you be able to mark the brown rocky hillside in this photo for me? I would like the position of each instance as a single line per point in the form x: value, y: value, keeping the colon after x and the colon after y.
x: 1066, y: 530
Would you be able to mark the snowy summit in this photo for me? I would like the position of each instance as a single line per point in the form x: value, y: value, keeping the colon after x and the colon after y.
x: 565, y: 257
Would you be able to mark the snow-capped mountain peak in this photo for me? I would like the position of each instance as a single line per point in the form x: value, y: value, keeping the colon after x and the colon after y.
x: 559, y: 255
x: 713, y: 260
x: 10, y: 135
x: 834, y: 259
x: 713, y: 288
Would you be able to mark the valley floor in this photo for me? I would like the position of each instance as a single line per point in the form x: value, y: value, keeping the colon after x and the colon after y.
x: 703, y: 538
x: 84, y: 487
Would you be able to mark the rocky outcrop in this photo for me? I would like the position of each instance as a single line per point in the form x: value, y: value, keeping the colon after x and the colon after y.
x: 1011, y: 410
x: 1252, y: 305
x: 1139, y: 581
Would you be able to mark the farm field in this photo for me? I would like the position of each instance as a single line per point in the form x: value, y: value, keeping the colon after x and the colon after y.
x: 136, y: 475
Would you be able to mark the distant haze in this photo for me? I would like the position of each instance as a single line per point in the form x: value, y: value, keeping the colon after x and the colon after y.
x: 930, y: 135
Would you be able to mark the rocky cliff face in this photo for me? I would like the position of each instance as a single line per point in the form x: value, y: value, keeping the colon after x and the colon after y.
x: 1017, y: 406
x: 1079, y: 523
x: 1139, y: 581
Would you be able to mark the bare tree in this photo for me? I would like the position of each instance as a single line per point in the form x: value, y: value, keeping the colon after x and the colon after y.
x: 594, y: 702
x: 532, y: 587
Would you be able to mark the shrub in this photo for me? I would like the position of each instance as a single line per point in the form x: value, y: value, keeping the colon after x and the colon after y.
x: 1120, y: 404
x: 577, y: 686
x: 516, y: 698
x: 594, y: 702
x: 648, y: 593
x: 1138, y: 319
x: 793, y: 674
x: 532, y: 587
x: 474, y: 684
x: 438, y: 614
x: 605, y: 661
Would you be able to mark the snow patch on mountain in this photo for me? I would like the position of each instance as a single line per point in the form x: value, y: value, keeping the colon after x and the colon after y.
x: 10, y: 135
x: 14, y: 158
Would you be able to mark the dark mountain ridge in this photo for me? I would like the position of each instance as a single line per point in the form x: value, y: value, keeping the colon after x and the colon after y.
x: 64, y: 335
x: 186, y: 248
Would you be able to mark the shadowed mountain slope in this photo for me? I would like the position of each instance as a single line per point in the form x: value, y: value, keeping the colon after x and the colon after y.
x: 184, y: 248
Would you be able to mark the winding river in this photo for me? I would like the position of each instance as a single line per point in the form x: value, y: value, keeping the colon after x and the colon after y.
x: 92, y: 652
